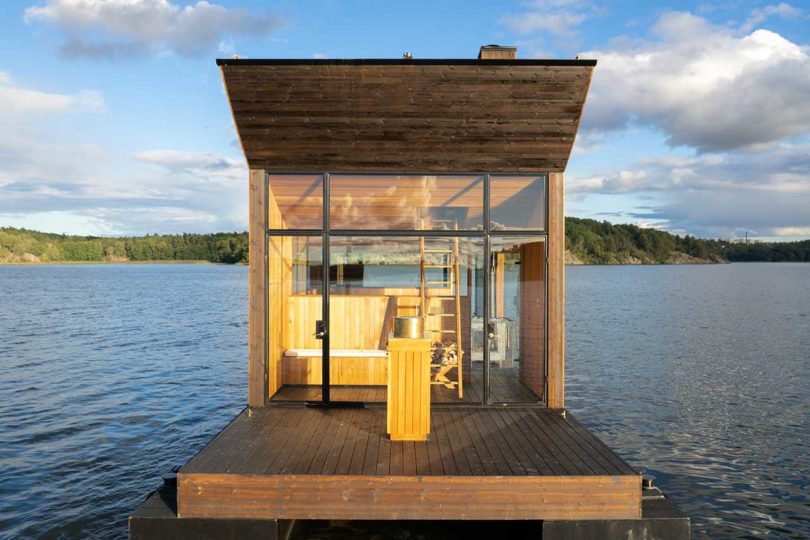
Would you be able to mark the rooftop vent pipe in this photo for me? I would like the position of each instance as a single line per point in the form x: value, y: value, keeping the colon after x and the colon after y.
x: 497, y: 52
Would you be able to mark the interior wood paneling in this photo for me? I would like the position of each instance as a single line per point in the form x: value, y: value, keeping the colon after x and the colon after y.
x: 279, y: 285
x: 532, y: 317
x: 343, y: 371
x: 356, y: 322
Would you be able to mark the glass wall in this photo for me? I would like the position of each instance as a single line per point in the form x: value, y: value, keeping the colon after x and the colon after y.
x: 294, y: 307
x: 295, y: 201
x: 517, y: 353
x: 407, y: 245
x: 517, y: 203
x: 373, y: 279
x: 406, y: 202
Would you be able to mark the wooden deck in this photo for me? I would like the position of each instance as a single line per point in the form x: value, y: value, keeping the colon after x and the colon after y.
x: 292, y: 462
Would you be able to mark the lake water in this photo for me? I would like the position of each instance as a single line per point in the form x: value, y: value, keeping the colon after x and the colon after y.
x: 110, y: 375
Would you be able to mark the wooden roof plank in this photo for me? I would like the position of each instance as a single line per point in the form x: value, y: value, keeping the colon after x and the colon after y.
x: 432, y: 116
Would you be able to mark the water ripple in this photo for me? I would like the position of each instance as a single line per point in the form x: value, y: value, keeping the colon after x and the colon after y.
x: 111, y: 375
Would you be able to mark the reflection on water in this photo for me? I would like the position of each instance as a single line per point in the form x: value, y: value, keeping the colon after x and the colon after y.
x: 112, y: 374
x: 702, y: 375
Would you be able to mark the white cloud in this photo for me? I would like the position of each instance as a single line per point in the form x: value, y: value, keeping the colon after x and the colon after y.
x: 54, y: 179
x: 120, y: 28
x: 558, y: 17
x: 704, y: 86
x: 59, y: 222
x: 164, y: 191
x: 792, y: 231
x: 17, y: 99
x: 767, y: 191
x: 782, y: 10
x: 192, y: 162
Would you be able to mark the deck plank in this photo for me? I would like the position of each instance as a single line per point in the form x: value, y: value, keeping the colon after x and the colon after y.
x: 550, y: 461
x: 541, y: 436
x: 490, y: 457
x: 352, y: 418
x: 439, y: 428
x: 359, y: 452
x: 534, y: 463
x: 621, y: 466
x: 322, y: 451
x: 373, y: 446
x: 465, y: 441
x: 384, y: 451
x: 568, y: 446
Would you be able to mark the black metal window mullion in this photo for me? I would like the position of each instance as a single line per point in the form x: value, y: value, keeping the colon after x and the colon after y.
x: 266, y: 322
x: 325, y: 264
x: 487, y: 288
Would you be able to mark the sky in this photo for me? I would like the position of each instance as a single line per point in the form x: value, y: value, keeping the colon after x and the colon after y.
x: 114, y: 120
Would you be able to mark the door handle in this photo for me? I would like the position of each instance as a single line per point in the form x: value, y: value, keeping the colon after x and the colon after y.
x: 320, y: 330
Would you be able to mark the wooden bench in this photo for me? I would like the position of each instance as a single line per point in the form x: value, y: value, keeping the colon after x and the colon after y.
x: 335, y: 353
x: 363, y: 367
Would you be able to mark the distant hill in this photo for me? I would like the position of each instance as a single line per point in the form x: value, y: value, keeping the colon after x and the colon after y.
x: 587, y: 242
x: 25, y: 246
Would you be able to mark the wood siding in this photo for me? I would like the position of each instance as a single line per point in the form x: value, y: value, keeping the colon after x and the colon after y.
x: 556, y: 291
x: 257, y: 272
x: 397, y: 498
x: 489, y: 115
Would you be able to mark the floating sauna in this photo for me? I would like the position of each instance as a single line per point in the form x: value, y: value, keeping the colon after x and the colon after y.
x: 386, y: 189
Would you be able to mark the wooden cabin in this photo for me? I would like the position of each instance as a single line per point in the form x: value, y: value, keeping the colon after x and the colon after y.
x: 388, y: 189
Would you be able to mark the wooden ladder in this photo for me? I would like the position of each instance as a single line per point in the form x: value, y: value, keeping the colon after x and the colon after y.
x: 451, y: 264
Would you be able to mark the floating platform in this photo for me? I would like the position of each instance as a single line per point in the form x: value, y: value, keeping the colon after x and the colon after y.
x: 482, y: 463
x: 156, y: 519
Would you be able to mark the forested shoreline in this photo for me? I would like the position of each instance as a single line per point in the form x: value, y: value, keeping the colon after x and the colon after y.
x: 587, y: 242
x: 26, y: 246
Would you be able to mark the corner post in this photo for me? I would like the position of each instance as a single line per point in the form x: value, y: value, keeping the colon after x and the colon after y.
x: 257, y: 273
x: 556, y: 291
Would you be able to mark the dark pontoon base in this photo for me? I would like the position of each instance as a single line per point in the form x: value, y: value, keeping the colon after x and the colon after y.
x: 157, y: 519
x: 660, y: 520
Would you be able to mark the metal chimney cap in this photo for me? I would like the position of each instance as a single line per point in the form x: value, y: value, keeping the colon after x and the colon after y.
x: 407, y: 56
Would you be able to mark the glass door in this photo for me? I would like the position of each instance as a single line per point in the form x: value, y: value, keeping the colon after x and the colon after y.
x: 296, y: 327
x: 516, y: 326
x: 373, y: 279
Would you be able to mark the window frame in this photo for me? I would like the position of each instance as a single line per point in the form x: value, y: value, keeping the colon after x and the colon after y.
x: 485, y: 233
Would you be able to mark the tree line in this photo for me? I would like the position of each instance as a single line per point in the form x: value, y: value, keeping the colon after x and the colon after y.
x: 588, y: 241
x: 601, y: 242
x: 22, y: 245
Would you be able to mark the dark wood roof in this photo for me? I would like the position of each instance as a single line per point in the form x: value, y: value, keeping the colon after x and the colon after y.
x: 407, y: 115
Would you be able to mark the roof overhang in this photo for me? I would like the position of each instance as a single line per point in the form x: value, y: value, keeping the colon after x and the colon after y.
x: 407, y: 115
